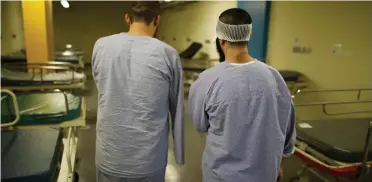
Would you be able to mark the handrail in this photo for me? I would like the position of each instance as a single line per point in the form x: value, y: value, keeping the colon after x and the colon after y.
x: 336, y: 90
x: 16, y: 109
x: 52, y: 67
x: 333, y: 103
x: 49, y: 63
x: 324, y: 104
x: 43, y: 68
x: 67, y: 149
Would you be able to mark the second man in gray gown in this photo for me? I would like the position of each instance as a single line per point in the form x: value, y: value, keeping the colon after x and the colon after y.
x: 244, y: 106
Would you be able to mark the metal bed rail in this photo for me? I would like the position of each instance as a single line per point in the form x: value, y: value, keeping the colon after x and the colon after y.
x: 17, y: 112
x: 71, y: 142
x: 16, y: 109
x: 327, y: 103
x: 46, y: 67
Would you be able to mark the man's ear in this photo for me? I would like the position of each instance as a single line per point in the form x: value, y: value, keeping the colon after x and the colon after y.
x: 128, y: 19
x: 222, y: 42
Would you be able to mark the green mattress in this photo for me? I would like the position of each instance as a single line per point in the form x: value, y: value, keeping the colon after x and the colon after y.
x: 41, y: 108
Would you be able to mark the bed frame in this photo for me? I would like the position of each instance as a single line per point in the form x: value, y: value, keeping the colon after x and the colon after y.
x: 42, y: 69
x: 324, y: 166
x: 70, y: 141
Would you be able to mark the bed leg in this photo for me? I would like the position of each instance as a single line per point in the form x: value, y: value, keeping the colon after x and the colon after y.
x: 76, y: 177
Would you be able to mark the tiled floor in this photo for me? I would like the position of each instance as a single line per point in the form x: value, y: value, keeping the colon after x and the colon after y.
x: 190, y: 172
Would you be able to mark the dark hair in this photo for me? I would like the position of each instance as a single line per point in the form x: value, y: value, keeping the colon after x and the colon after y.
x: 144, y: 11
x: 236, y: 16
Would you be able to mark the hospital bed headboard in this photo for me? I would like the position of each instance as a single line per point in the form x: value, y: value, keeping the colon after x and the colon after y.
x: 293, y: 76
x: 295, y: 81
x: 191, y: 50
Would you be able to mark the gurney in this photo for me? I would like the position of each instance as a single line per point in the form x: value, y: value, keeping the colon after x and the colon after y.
x: 65, y: 55
x: 39, y: 110
x: 36, y: 76
x: 31, y: 155
x: 335, y: 148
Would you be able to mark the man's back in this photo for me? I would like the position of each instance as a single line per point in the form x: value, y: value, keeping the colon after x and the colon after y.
x: 138, y: 82
x: 248, y: 108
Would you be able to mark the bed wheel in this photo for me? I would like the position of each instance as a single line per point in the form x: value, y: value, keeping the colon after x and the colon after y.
x: 76, y: 177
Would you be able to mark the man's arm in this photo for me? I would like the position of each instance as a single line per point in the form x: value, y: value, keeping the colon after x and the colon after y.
x: 95, y: 61
x: 291, y: 134
x: 176, y: 111
x: 197, y: 102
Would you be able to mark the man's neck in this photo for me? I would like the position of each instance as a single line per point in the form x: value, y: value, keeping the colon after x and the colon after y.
x: 140, y: 29
x: 238, y: 56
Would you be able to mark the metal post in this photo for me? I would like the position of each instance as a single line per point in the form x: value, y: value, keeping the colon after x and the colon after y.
x: 365, y: 167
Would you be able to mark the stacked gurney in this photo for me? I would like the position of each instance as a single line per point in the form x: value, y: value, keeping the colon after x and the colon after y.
x: 40, y: 116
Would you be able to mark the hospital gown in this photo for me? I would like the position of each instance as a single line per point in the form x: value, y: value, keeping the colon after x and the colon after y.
x: 249, y: 116
x: 139, y: 81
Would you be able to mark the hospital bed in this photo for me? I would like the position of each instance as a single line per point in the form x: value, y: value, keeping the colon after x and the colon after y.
x: 66, y: 55
x: 36, y: 76
x: 334, y: 149
x: 27, y: 115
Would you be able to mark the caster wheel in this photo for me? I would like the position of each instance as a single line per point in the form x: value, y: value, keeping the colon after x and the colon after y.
x: 76, y: 177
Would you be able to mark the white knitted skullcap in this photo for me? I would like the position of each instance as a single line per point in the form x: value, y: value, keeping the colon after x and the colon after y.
x: 233, y: 33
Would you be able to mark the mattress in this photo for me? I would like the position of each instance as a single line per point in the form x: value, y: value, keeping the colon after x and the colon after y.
x: 341, y: 140
x: 22, y: 59
x: 30, y: 155
x: 41, y: 108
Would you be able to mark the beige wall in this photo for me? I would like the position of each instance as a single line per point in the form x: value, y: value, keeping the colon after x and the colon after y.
x: 194, y: 21
x: 320, y: 26
x: 84, y: 22
x: 11, y: 24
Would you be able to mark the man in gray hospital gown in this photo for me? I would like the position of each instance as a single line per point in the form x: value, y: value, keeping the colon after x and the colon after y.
x: 139, y: 81
x: 245, y: 107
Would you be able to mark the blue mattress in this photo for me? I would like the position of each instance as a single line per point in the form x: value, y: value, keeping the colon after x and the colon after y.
x: 342, y: 140
x: 30, y: 155
x: 41, y: 108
